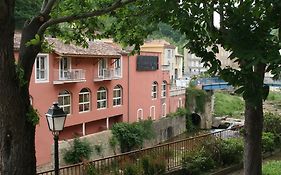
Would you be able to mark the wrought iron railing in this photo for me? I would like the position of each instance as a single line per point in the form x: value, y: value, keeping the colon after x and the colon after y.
x: 169, y: 153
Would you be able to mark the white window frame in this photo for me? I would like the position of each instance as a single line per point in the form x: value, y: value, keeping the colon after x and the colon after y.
x: 101, y: 100
x: 117, y: 99
x: 46, y: 69
x: 154, y: 90
x: 116, y: 63
x: 63, y: 105
x: 64, y: 71
x: 101, y: 69
x: 164, y: 110
x: 139, y: 114
x: 84, y: 103
x: 152, y: 111
x: 164, y: 89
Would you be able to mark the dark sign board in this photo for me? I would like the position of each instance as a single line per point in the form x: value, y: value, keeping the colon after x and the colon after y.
x: 147, y: 63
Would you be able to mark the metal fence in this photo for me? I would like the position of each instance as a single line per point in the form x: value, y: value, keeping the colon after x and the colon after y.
x: 170, y: 154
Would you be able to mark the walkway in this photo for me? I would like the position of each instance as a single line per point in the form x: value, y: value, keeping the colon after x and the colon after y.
x: 274, y: 157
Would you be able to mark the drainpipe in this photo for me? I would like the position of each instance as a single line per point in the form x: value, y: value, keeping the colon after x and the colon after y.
x: 128, y: 113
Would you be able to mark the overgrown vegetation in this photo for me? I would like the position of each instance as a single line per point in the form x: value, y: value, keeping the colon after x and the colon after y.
x: 214, y: 153
x: 274, y: 96
x: 79, y: 151
x: 132, y: 135
x: 33, y: 116
x: 230, y: 105
x: 272, y: 168
x: 196, y: 99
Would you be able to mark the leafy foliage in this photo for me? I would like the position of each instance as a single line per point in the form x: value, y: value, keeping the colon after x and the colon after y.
x: 132, y: 136
x: 272, y: 168
x: 33, y: 116
x: 80, y: 150
x: 272, y: 124
x: 25, y: 10
x: 268, y: 144
x: 196, y: 98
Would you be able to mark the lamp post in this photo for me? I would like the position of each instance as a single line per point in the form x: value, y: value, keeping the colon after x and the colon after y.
x: 56, y: 119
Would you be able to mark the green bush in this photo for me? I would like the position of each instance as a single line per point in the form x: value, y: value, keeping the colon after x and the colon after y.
x: 153, y: 165
x: 197, y: 162
x: 79, y: 151
x: 132, y: 136
x: 268, y: 144
x: 132, y: 169
x: 271, y: 168
x: 272, y: 123
x: 231, y: 151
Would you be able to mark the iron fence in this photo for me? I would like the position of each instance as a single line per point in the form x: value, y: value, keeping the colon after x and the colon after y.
x: 170, y: 154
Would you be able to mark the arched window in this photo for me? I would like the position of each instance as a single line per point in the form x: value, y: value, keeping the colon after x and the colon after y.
x: 101, y: 98
x: 164, y: 111
x: 163, y: 89
x: 84, y: 100
x: 139, y: 114
x: 154, y: 90
x: 64, y: 100
x: 152, y: 112
x: 117, y: 95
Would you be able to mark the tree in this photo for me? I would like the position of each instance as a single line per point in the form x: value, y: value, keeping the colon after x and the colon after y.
x: 249, y: 29
x: 17, y: 121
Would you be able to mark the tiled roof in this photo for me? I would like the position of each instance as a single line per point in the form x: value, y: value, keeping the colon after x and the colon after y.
x: 95, y: 48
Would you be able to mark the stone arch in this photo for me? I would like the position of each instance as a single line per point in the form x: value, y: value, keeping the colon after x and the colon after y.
x: 196, y: 119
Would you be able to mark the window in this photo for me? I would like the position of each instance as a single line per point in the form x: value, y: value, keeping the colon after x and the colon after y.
x: 154, y: 90
x: 163, y: 89
x: 117, y: 67
x: 65, y: 66
x: 164, y: 112
x: 117, y: 95
x: 152, y: 112
x: 139, y: 114
x: 64, y: 100
x: 102, y: 67
x: 42, y: 68
x: 101, y: 98
x: 84, y: 100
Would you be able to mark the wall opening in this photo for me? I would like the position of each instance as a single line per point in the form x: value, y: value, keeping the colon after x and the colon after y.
x: 196, y: 119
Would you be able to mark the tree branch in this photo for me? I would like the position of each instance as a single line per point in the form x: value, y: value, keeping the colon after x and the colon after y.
x: 44, y: 5
x: 47, y: 8
x: 114, y: 6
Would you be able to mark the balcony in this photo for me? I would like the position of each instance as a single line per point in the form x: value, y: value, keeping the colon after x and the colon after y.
x: 108, y: 74
x: 69, y: 76
x: 177, y: 91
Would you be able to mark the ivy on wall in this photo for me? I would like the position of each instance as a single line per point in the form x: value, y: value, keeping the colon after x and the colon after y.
x: 196, y: 99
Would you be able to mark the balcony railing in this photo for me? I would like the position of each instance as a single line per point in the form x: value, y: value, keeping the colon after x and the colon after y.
x: 108, y: 74
x: 177, y: 91
x: 69, y: 76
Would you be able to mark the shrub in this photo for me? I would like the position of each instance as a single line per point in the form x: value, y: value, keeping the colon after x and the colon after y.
x: 268, y: 144
x: 153, y: 165
x: 197, y: 162
x: 79, y: 151
x: 231, y: 151
x: 132, y: 169
x: 272, y: 123
x: 131, y: 136
x: 271, y: 168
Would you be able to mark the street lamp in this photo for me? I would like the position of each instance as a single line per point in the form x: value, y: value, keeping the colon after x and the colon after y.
x: 56, y: 119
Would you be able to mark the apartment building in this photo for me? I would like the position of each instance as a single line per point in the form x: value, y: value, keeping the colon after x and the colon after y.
x: 97, y: 87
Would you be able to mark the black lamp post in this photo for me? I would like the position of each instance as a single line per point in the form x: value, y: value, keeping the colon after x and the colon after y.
x: 56, y: 119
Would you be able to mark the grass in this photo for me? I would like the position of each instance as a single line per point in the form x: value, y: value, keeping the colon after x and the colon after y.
x: 226, y: 104
x: 274, y: 96
x: 272, y: 168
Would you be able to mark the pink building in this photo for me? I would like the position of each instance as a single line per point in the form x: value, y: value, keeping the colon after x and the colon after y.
x: 97, y: 87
